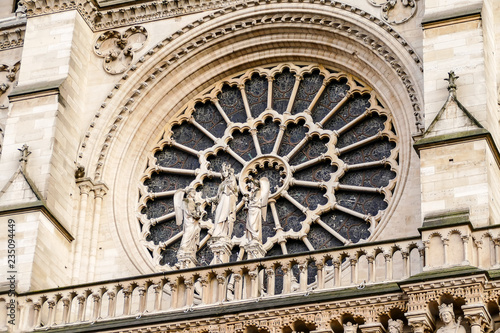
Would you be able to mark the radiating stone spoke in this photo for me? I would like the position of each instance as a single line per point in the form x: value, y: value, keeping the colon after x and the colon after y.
x: 331, y: 231
x: 276, y: 219
x: 294, y: 202
x: 352, y: 212
x: 352, y: 123
x: 309, y: 163
x: 177, y: 171
x: 184, y: 148
x: 222, y: 112
x: 335, y: 109
x: 309, y: 246
x: 307, y: 183
x: 358, y: 188
x: 154, y: 195
x: 294, y: 93
x: 234, y: 155
x: 361, y: 143
x: 163, y: 218
x: 172, y: 240
x: 277, y: 144
x: 316, y: 98
x: 203, y: 129
x: 297, y: 148
x: 366, y: 165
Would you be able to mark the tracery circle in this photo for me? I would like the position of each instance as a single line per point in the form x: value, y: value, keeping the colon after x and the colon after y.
x: 322, y: 137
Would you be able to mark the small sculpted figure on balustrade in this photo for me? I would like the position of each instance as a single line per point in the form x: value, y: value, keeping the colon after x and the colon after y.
x: 256, y: 203
x: 224, y: 204
x: 395, y: 326
x: 188, y: 212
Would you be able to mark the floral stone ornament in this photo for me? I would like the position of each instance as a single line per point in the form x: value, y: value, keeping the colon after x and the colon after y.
x: 118, y: 48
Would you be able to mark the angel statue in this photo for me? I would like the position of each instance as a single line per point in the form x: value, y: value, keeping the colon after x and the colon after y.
x: 224, y: 204
x: 256, y: 203
x: 188, y: 213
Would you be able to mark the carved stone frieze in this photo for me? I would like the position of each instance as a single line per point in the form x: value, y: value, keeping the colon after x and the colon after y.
x: 118, y: 49
x: 12, y: 37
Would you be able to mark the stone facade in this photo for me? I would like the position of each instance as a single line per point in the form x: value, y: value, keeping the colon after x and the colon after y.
x: 101, y: 124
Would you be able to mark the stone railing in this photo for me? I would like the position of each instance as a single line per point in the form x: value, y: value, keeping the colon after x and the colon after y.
x: 188, y: 289
x: 444, y: 242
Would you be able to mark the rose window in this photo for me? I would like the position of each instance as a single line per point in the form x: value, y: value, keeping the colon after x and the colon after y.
x: 323, y: 139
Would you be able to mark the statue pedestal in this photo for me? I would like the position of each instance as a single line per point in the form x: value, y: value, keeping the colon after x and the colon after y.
x: 254, y: 250
x: 221, y: 248
x: 186, y: 260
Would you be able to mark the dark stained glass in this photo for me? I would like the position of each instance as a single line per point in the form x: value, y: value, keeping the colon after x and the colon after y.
x: 282, y: 90
x: 163, y: 231
x: 242, y: 144
x: 189, y: 136
x: 267, y: 134
x: 347, y: 226
x: 334, y: 92
x: 256, y: 91
x: 350, y: 110
x: 294, y: 133
x: 367, y: 128
x: 322, y: 239
x: 321, y: 172
x: 378, y: 177
x: 231, y: 101
x: 289, y: 215
x: 210, y: 118
x: 308, y: 88
x: 171, y: 157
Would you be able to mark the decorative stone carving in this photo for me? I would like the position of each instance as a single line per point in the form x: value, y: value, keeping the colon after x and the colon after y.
x: 188, y: 213
x: 395, y: 326
x: 350, y: 327
x: 8, y: 74
x: 118, y: 49
x: 256, y: 203
x: 396, y: 11
x: 448, y: 317
x: 224, y: 204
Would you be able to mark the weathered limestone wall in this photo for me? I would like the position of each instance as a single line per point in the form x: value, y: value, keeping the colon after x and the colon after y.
x: 42, y: 253
x: 455, y: 177
x: 458, y: 47
x: 6, y: 8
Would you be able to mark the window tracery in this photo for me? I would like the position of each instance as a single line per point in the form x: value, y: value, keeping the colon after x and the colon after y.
x: 323, y: 139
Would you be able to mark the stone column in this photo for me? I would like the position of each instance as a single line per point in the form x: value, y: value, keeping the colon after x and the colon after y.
x: 478, y: 317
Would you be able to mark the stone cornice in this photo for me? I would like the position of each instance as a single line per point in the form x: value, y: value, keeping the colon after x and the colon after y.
x: 12, y: 33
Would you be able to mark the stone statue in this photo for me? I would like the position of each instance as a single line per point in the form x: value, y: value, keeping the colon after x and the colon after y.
x: 256, y: 203
x: 448, y: 317
x: 225, y: 204
x: 188, y: 213
x: 350, y: 327
x: 395, y: 326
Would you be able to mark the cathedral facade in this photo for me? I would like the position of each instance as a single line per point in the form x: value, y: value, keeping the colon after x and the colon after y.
x: 250, y: 166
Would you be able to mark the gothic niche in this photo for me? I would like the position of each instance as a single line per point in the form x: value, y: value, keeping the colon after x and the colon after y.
x: 118, y: 48
x: 276, y: 160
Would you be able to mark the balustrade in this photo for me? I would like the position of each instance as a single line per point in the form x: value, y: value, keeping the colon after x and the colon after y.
x: 225, y: 283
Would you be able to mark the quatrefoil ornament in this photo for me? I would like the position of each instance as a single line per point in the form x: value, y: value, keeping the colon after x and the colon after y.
x: 118, y: 48
x: 396, y: 11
